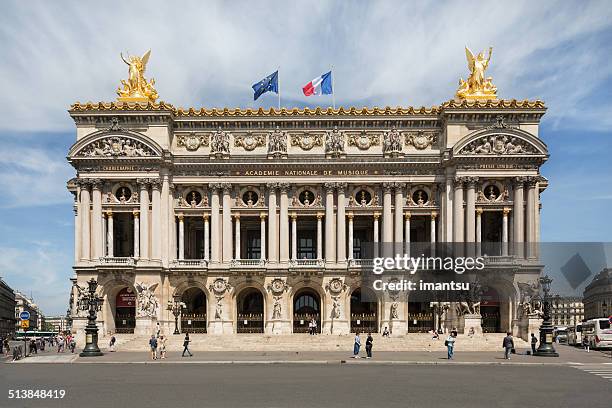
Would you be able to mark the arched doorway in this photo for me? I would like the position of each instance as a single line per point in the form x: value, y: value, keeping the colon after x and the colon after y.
x: 250, y: 306
x: 125, y: 311
x: 193, y: 316
x: 364, y: 311
x: 306, y: 306
x: 490, y: 311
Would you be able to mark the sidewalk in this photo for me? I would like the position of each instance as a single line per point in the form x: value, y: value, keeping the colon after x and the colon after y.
x: 568, y: 356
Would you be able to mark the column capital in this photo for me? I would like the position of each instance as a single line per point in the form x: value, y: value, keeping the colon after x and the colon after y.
x: 532, y: 181
x: 350, y: 215
x: 283, y: 187
x: 205, y: 217
x: 294, y: 216
x: 407, y: 215
x: 227, y: 187
x: 180, y: 216
x: 434, y: 215
x: 236, y: 215
x: 459, y: 181
x: 471, y: 182
x: 143, y: 182
x: 519, y: 181
x: 136, y: 213
x: 155, y: 183
x: 506, y: 211
x: 96, y: 183
x: 341, y: 187
x: 388, y: 186
x: 329, y: 187
x: 262, y: 215
x: 376, y: 215
x: 479, y: 211
x: 320, y: 215
x: 109, y: 214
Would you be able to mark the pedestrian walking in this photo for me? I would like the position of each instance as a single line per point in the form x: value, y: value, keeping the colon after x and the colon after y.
x: 310, y: 328
x: 534, y: 341
x: 60, y: 344
x: 162, y: 347
x: 356, y: 346
x: 33, y: 348
x: 369, y: 342
x: 585, y: 342
x: 158, y: 330
x: 186, y: 342
x: 111, y: 344
x: 508, y: 345
x: 450, y: 345
x: 72, y: 345
x: 153, y: 346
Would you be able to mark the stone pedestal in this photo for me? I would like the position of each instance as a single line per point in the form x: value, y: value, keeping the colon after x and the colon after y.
x: 145, y: 326
x: 78, y: 328
x: 218, y: 327
x: 396, y: 327
x: 278, y: 327
x: 472, y: 321
x: 336, y: 326
x: 528, y: 325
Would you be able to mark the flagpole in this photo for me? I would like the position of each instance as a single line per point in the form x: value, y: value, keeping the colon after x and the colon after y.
x: 278, y: 82
x: 333, y: 88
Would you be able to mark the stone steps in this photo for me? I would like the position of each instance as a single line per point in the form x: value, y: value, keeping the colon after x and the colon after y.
x: 303, y: 342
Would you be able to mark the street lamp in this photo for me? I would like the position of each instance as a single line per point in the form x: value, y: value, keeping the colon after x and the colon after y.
x: 546, y: 348
x: 92, y: 304
x: 175, y: 306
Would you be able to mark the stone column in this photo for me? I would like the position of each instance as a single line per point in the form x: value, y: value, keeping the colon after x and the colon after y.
x: 432, y: 234
x: 376, y: 216
x: 320, y: 235
x: 350, y: 235
x: 506, y: 211
x: 110, y: 235
x: 399, y: 214
x: 156, y: 220
x: 227, y: 223
x: 97, y: 239
x: 136, y: 233
x: 181, y: 236
x: 407, y: 228
x: 478, y: 231
x: 77, y: 231
x: 531, y: 209
x: 144, y: 217
x: 206, y: 237
x: 449, y: 208
x: 165, y: 221
x: 262, y: 231
x: 237, y: 254
x: 272, y: 243
x: 284, y: 223
x: 458, y: 236
x: 387, y: 217
x: 470, y: 211
x: 519, y: 217
x: 215, y: 224
x: 341, y: 224
x: 294, y: 236
x: 85, y: 218
x: 330, y: 241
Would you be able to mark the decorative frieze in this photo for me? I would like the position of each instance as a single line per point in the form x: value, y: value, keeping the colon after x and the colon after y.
x: 420, y: 139
x: 116, y: 146
x: 498, y: 145
x: 363, y: 140
x: 192, y: 141
x: 307, y: 141
x: 249, y: 141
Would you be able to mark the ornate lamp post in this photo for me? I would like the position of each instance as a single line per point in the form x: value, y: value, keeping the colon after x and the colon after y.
x: 546, y: 348
x: 68, y: 321
x: 176, y: 307
x: 93, y: 304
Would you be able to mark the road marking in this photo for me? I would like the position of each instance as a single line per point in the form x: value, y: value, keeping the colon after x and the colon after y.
x: 599, y: 370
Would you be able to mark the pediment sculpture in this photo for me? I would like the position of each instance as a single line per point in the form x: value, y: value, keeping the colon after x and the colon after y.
x: 498, y: 145
x: 116, y: 146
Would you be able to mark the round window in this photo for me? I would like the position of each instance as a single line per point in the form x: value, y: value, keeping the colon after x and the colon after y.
x: 420, y: 197
x: 307, y: 197
x: 193, y: 198
x: 250, y: 197
x: 363, y: 197
x: 123, y: 193
x: 492, y: 192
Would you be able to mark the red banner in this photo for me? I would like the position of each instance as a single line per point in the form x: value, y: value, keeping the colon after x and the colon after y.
x: 126, y: 298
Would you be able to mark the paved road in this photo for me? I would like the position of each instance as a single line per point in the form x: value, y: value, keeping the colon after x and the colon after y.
x: 308, y: 385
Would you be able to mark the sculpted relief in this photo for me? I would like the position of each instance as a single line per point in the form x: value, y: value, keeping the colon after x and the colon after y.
x: 116, y: 146
x: 498, y: 145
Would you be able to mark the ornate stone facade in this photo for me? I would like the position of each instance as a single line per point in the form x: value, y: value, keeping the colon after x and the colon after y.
x: 255, y: 220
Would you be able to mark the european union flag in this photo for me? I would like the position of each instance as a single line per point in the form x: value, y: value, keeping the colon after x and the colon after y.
x: 268, y: 84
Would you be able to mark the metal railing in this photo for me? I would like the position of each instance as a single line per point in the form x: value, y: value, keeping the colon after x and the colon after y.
x: 250, y: 323
x: 301, y: 322
x: 420, y: 322
x: 193, y: 323
x: 364, y: 322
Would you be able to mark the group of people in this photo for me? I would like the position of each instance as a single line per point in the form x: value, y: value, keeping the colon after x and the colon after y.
x: 312, y: 327
x: 368, y: 345
x: 34, y: 345
x: 158, y: 344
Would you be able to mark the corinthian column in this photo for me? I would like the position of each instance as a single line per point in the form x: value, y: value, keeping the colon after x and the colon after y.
x: 97, y: 237
x: 144, y: 217
x: 85, y: 218
x: 181, y: 236
x: 330, y: 244
x: 284, y: 223
x: 479, y: 231
x: 387, y: 220
x: 206, y: 237
x: 262, y: 232
x: 470, y: 216
x: 506, y: 211
x: 320, y: 235
x: 156, y: 219
x: 136, y: 234
x: 399, y: 214
x: 165, y: 221
x: 350, y: 235
x: 237, y: 253
x: 519, y: 217
x: 376, y: 228
x: 294, y: 236
x: 215, y: 224
x: 458, y: 236
x: 341, y: 224
x: 110, y: 240
x: 227, y: 222
x: 531, y: 216
x: 407, y: 228
x: 272, y: 238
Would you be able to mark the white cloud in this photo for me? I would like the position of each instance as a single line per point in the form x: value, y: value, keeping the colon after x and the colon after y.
x: 40, y: 270
x: 388, y: 53
x: 32, y: 176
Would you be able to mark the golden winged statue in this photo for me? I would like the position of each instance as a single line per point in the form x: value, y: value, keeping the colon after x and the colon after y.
x: 137, y: 88
x: 477, y: 85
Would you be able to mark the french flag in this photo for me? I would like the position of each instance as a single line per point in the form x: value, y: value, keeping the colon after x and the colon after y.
x: 319, y: 86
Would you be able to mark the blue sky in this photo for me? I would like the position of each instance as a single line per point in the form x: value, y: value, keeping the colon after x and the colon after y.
x: 209, y: 53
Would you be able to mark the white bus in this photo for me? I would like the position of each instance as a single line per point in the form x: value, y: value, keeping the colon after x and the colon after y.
x: 598, y: 333
x: 574, y: 335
